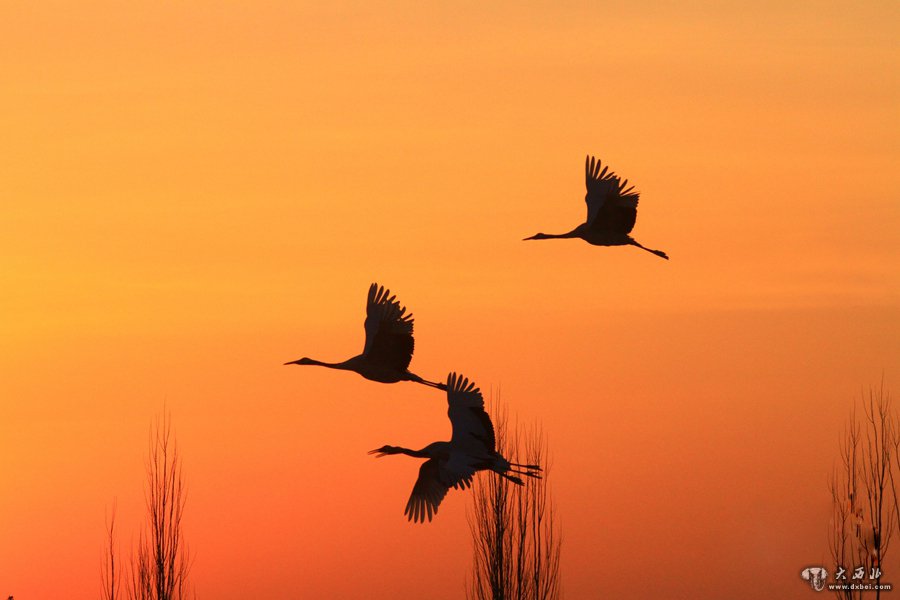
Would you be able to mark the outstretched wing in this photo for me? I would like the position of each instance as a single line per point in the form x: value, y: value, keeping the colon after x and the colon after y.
x: 435, y: 479
x: 427, y: 493
x: 473, y: 431
x: 611, y: 203
x: 389, y: 330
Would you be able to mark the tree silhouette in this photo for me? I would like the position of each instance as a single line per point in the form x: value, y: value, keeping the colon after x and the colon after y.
x: 159, y: 564
x: 515, y: 532
x: 108, y: 572
x: 863, y: 492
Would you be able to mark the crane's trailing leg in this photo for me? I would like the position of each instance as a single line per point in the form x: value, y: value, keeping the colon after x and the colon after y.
x: 659, y: 253
x: 529, y: 467
x: 512, y: 478
x: 527, y: 473
x: 528, y: 470
x: 417, y: 379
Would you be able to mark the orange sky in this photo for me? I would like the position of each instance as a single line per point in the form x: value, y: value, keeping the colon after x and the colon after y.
x: 194, y: 194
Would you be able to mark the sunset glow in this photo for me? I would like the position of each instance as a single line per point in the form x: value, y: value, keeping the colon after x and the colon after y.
x: 194, y: 194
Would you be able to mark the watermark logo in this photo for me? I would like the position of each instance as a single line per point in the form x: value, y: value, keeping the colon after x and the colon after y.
x: 845, y: 579
x: 816, y: 577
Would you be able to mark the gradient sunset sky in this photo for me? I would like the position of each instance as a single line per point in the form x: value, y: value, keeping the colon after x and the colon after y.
x: 194, y: 193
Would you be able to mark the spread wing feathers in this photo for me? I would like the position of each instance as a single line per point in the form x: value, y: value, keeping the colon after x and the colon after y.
x: 389, y: 330
x: 427, y: 493
x: 464, y: 482
x: 472, y: 427
x: 611, y: 202
x: 436, y: 477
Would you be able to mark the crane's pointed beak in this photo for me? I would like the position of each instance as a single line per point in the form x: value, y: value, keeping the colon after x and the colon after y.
x: 293, y: 362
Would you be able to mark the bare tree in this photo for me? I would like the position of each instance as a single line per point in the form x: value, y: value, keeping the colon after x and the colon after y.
x: 108, y: 572
x: 159, y: 564
x: 515, y: 530
x: 864, y: 499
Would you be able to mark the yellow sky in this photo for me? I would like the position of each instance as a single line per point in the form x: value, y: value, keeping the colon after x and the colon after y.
x: 194, y: 194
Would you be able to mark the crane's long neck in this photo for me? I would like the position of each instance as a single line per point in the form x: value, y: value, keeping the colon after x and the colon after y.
x: 407, y: 451
x: 432, y: 450
x: 319, y: 363
x: 346, y: 365
x: 551, y: 236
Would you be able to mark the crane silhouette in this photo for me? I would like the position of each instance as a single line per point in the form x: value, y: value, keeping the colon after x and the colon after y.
x: 611, y: 211
x: 389, y: 343
x: 453, y: 464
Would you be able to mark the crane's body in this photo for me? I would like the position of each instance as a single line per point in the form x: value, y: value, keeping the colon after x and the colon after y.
x: 453, y: 464
x: 611, y: 211
x: 389, y: 343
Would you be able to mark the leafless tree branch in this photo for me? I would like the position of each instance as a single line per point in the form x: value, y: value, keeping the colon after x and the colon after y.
x: 159, y: 564
x: 863, y: 492
x: 515, y: 531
